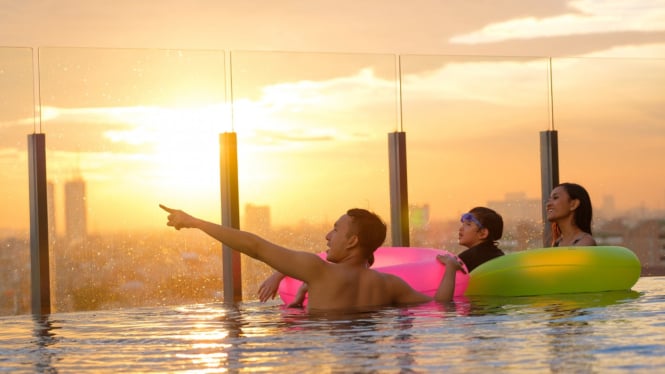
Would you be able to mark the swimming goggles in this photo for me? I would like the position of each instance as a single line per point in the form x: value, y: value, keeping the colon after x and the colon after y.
x: 470, y: 217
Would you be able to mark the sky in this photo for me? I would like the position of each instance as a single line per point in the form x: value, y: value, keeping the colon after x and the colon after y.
x: 349, y: 95
x: 500, y: 27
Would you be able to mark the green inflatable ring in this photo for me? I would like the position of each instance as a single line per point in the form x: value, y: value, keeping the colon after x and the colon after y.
x: 556, y: 270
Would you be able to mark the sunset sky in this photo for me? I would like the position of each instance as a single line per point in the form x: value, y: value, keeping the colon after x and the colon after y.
x: 335, y: 69
x: 501, y: 27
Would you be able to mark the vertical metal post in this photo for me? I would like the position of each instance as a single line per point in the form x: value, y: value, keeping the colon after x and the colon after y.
x: 39, y: 257
x: 228, y: 166
x: 399, y: 196
x: 549, y: 175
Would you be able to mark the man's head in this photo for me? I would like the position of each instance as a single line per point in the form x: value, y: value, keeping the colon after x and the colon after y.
x: 359, y: 228
x: 369, y: 228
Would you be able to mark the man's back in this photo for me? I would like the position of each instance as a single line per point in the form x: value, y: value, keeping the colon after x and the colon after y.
x: 350, y: 287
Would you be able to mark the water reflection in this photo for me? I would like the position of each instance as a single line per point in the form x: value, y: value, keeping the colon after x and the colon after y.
x: 483, y: 305
x: 571, y: 341
x: 404, y: 341
x: 558, y: 333
x: 571, y: 338
x: 214, y: 336
x: 44, y: 338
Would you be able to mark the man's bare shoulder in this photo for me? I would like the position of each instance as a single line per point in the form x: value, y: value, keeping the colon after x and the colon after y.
x: 392, y: 279
x: 401, y: 292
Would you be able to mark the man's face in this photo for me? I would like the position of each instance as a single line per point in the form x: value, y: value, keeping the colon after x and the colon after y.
x: 338, y: 238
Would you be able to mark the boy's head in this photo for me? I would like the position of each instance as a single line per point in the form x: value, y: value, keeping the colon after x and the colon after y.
x: 490, y: 220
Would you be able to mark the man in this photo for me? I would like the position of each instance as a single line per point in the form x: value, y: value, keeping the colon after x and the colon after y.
x: 343, y: 282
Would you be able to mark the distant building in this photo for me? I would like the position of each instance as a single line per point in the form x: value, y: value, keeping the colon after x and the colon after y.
x: 608, y: 207
x: 522, y: 218
x: 52, y: 234
x: 76, y: 217
x: 518, y: 207
x: 647, y: 240
x: 50, y: 209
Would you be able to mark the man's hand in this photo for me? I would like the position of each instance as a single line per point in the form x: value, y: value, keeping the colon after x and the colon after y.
x: 300, y: 297
x: 178, y: 219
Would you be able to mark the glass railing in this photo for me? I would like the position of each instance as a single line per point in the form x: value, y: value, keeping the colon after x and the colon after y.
x: 473, y: 126
x: 17, y: 120
x: 129, y: 129
x: 611, y: 122
x: 312, y: 133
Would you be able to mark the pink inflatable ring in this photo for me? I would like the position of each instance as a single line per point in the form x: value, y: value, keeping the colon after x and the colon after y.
x: 417, y: 266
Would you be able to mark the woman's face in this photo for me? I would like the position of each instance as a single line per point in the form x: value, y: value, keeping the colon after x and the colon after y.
x: 559, y: 205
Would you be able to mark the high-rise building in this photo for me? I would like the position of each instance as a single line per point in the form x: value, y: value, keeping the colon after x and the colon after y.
x: 50, y: 209
x: 76, y: 216
x: 52, y: 233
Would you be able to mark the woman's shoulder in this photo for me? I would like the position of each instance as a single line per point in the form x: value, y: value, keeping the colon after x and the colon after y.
x: 585, y: 240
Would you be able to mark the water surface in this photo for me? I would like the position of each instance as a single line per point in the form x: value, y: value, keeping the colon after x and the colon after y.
x: 594, y: 332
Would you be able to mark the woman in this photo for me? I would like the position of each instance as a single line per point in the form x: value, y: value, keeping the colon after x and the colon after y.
x: 570, y: 212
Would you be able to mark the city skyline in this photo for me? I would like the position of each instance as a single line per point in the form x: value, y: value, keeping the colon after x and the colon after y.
x: 514, y: 207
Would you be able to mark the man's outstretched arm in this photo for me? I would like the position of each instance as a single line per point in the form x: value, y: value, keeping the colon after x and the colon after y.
x: 300, y: 265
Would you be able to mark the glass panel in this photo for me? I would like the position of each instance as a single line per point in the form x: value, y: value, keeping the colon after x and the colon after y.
x: 17, y: 120
x: 610, y: 117
x: 127, y: 130
x: 472, y: 127
x: 312, y: 142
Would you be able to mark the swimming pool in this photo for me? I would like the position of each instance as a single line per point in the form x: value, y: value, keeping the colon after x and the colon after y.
x: 595, y: 332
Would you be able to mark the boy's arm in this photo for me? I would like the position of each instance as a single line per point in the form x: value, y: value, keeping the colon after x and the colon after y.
x: 446, y: 288
x: 300, y: 265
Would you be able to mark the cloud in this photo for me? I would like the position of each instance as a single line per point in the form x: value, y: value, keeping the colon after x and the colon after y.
x: 591, y: 17
x: 371, y: 26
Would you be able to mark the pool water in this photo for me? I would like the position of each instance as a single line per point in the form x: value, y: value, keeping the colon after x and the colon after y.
x: 594, y: 332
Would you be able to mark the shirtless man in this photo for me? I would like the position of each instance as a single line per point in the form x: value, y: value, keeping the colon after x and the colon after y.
x: 343, y: 282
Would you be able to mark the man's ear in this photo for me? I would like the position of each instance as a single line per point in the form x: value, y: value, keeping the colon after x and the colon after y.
x: 352, y: 241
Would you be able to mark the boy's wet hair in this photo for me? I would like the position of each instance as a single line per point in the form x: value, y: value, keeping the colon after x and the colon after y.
x: 490, y: 220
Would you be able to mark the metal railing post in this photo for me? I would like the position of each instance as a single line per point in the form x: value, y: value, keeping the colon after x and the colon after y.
x: 231, y: 261
x: 39, y: 256
x: 399, y: 196
x: 549, y: 175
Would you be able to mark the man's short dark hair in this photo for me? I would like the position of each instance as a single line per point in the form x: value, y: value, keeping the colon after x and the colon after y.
x: 369, y: 228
